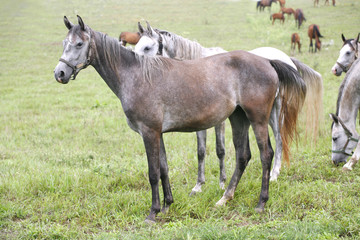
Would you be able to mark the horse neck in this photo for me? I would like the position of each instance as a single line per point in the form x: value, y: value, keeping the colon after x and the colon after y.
x: 111, y: 60
x: 349, y: 97
x: 181, y: 48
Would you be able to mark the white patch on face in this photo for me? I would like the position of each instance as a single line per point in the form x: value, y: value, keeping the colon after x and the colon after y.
x: 346, y: 58
x: 346, y: 55
x: 147, y: 46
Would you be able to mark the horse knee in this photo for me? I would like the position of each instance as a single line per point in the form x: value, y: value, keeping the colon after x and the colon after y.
x: 201, y: 152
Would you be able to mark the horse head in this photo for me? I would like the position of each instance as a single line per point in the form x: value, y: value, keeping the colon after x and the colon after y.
x: 348, y: 54
x: 150, y: 43
x: 76, y: 54
x: 344, y: 140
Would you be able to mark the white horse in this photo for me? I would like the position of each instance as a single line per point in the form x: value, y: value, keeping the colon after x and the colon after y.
x: 344, y: 135
x: 348, y: 54
x: 158, y: 42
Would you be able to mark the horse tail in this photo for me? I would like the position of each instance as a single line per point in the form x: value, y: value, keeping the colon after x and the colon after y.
x: 292, y: 92
x: 316, y: 30
x: 313, y: 100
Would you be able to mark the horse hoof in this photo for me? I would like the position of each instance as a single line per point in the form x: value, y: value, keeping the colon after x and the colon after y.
x: 195, y: 190
x: 273, y: 178
x: 347, y: 168
x: 221, y: 202
x: 259, y: 210
x: 149, y: 221
x: 165, y: 210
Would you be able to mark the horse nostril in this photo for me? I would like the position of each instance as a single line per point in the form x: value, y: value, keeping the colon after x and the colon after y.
x: 62, y: 74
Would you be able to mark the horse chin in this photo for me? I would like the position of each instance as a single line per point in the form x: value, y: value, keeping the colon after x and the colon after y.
x: 63, y: 81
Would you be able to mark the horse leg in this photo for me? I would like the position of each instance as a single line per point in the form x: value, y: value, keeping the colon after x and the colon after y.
x: 151, y: 140
x: 164, y: 176
x: 266, y: 155
x: 311, y: 46
x: 201, y: 149
x: 220, y: 152
x: 274, y: 123
x: 124, y: 43
x: 240, y: 127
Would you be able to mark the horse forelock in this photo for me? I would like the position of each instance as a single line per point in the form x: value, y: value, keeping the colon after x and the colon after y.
x: 349, y: 42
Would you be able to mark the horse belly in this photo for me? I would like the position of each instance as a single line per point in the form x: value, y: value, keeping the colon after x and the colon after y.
x: 198, y: 107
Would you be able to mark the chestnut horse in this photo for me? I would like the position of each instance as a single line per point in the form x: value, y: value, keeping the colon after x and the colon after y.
x: 160, y: 95
x: 299, y: 17
x: 288, y: 11
x: 282, y: 3
x: 316, y: 2
x: 295, y: 39
x: 314, y: 33
x: 275, y: 16
x: 129, y: 37
x: 264, y: 3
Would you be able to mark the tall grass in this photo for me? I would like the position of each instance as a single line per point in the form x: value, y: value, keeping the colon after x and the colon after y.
x: 71, y: 168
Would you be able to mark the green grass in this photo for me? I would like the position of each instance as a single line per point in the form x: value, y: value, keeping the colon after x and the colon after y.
x: 71, y: 168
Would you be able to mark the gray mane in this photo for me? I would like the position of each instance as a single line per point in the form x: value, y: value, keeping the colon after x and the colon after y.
x: 344, y: 83
x: 179, y: 47
x: 115, y: 54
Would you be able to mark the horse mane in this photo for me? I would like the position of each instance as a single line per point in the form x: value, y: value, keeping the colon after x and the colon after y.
x: 181, y: 48
x: 344, y: 83
x: 151, y: 65
x: 114, y: 53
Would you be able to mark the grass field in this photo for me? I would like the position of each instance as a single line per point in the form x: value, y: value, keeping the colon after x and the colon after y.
x: 71, y: 168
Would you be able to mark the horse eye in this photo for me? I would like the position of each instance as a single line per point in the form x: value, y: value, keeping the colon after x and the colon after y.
x: 79, y: 44
x: 347, y: 53
x: 146, y: 49
x: 334, y: 139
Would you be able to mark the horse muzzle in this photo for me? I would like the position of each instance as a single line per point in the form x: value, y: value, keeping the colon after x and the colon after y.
x: 62, y: 73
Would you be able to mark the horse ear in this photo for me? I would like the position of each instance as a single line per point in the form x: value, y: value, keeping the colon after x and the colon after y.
x: 68, y: 24
x: 141, y: 29
x: 149, y: 28
x: 334, y: 118
x: 81, y: 23
x: 343, y: 38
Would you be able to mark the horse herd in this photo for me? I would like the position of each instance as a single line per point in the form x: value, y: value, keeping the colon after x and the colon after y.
x: 171, y: 84
x: 313, y: 29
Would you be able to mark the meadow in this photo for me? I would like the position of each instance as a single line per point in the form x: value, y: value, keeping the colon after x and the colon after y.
x: 71, y: 168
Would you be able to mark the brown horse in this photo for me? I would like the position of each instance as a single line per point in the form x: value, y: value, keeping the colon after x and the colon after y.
x: 158, y: 95
x: 316, y: 2
x: 327, y: 1
x: 275, y: 16
x: 299, y: 17
x: 264, y: 3
x: 129, y: 37
x: 288, y: 11
x: 295, y: 39
x: 282, y: 3
x: 314, y: 33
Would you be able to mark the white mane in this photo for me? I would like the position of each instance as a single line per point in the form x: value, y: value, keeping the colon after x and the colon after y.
x: 183, y: 48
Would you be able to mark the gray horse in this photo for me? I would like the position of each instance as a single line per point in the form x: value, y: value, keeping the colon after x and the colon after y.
x: 160, y: 95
